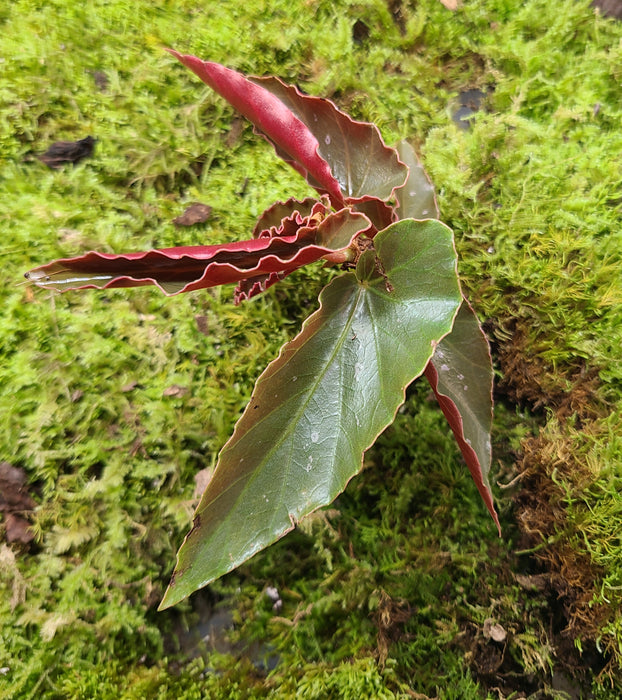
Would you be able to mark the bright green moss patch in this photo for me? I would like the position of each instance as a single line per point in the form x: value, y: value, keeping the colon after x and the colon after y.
x: 112, y: 402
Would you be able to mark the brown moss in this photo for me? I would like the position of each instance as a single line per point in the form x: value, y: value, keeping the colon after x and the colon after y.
x: 546, y: 466
x: 528, y: 381
x: 390, y: 617
x: 555, y: 476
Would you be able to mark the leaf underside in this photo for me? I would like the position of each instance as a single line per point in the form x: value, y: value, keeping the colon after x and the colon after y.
x: 184, y: 269
x: 324, y: 400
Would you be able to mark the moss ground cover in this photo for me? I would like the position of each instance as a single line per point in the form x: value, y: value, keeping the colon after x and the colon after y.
x: 112, y: 402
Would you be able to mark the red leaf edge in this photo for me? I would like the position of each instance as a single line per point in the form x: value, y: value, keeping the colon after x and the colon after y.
x: 269, y: 114
x: 451, y: 412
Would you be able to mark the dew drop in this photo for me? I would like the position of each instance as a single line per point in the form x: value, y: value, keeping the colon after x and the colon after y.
x: 327, y: 139
x: 309, y: 465
x: 465, y: 387
x: 294, y: 379
x: 444, y: 368
x: 460, y: 376
x: 425, y: 212
x: 315, y: 436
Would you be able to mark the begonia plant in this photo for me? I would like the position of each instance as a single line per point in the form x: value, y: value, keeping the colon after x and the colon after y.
x: 395, y: 312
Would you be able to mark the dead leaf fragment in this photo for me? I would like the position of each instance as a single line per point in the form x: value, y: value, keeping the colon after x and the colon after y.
x: 360, y: 32
x: 609, y: 8
x: 175, y: 391
x: 63, y: 152
x: 494, y: 631
x: 17, y: 529
x: 15, y: 503
x: 196, y: 213
x: 101, y: 80
x: 536, y: 582
x: 13, y: 492
x: 452, y: 5
x: 202, y: 325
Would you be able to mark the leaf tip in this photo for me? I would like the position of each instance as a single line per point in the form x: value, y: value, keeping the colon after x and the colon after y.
x: 171, y: 596
x: 173, y: 52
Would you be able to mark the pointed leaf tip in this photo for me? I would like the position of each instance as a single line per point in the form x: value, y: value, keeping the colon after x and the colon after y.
x: 460, y: 374
x: 324, y: 400
x: 290, y: 136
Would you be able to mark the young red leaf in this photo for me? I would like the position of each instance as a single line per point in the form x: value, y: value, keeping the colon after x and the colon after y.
x: 340, y: 156
x: 336, y: 231
x: 294, y: 209
x: 183, y: 269
x: 268, y: 113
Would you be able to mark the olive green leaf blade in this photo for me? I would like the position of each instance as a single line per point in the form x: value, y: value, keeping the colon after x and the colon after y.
x: 461, y: 376
x: 324, y: 400
x: 416, y: 199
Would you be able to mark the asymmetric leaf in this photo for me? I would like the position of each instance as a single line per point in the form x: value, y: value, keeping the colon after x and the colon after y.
x: 268, y: 113
x: 324, y: 400
x: 337, y: 155
x: 360, y: 161
x: 460, y: 374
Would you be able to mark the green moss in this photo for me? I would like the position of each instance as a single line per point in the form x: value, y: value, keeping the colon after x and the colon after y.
x: 389, y: 591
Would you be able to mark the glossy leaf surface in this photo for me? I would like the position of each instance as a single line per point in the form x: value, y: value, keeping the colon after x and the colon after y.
x: 360, y: 161
x: 324, y: 400
x: 416, y: 200
x: 460, y: 374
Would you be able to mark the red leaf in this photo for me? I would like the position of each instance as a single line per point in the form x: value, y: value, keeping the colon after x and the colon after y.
x: 183, y: 269
x: 268, y: 113
x: 293, y: 209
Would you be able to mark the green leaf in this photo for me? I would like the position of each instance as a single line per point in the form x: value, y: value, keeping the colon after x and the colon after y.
x: 324, y: 400
x: 416, y: 199
x: 460, y: 374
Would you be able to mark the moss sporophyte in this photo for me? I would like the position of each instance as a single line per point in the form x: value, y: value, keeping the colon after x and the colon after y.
x: 394, y: 313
